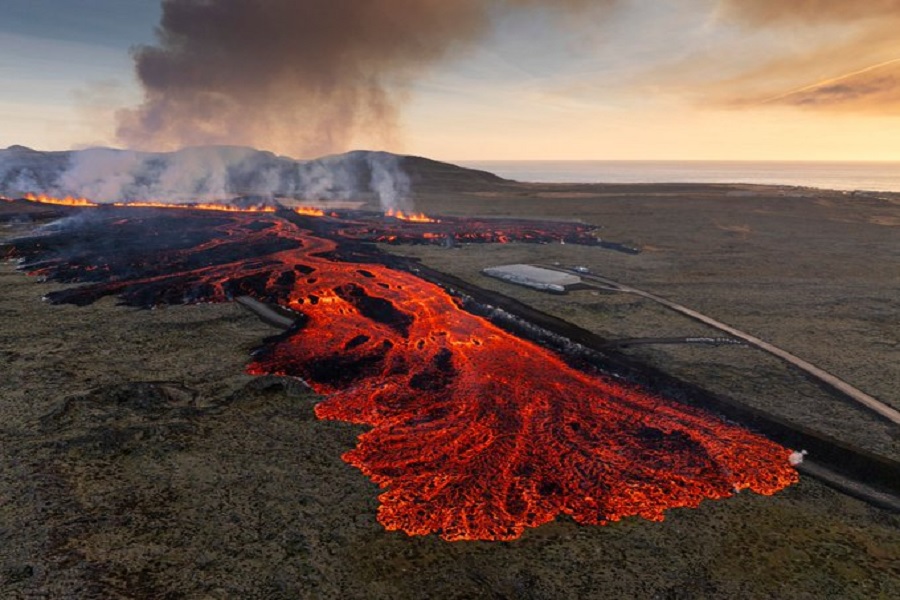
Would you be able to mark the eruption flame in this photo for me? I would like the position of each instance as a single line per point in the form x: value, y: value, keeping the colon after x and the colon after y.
x: 84, y: 202
x: 198, y: 206
x: 64, y: 201
x: 410, y: 217
x: 309, y: 211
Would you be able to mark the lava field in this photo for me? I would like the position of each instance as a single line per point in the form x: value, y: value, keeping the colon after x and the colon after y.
x: 476, y: 434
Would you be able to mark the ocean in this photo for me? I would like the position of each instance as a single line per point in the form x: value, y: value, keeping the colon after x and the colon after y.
x: 868, y: 176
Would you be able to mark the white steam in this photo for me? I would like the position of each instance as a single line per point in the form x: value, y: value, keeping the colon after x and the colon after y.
x: 206, y: 174
x: 99, y: 173
x: 797, y: 457
x: 389, y: 182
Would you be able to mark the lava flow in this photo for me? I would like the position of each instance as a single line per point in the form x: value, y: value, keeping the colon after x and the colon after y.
x: 63, y: 201
x: 411, y: 217
x: 197, y: 206
x: 84, y: 202
x: 309, y: 211
x: 475, y: 433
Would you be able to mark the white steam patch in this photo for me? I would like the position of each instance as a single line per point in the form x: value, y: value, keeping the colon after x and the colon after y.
x: 198, y: 174
x: 206, y: 174
x: 389, y: 182
x: 24, y: 181
x: 101, y: 174
x: 797, y: 457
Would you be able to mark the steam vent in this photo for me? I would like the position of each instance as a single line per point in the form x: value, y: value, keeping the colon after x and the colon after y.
x: 475, y: 434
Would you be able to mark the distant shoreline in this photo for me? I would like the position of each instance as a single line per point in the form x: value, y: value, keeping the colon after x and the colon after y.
x: 831, y: 175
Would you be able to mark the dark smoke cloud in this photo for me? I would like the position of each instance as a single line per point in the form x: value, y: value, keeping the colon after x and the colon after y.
x: 296, y: 76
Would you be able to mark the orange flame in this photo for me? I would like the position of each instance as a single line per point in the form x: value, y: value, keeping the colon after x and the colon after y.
x: 198, y: 206
x: 308, y: 211
x: 411, y: 217
x: 72, y: 201
x: 67, y: 201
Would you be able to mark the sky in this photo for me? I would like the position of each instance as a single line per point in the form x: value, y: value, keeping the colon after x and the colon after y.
x: 462, y: 80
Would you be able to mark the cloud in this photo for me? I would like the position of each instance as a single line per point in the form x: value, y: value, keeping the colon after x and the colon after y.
x: 813, y: 55
x: 297, y: 76
x: 872, y: 89
x: 757, y: 13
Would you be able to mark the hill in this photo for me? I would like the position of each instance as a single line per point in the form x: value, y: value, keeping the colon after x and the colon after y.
x: 223, y: 172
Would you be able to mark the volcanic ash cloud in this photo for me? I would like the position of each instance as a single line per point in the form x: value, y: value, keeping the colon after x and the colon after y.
x: 300, y: 77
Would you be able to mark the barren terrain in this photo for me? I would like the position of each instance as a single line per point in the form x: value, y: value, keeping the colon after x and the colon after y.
x: 140, y: 462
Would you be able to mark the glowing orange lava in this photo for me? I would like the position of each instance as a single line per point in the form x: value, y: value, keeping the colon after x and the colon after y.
x: 64, y: 201
x: 309, y: 211
x: 84, y: 202
x: 197, y: 206
x: 411, y: 217
x: 475, y: 434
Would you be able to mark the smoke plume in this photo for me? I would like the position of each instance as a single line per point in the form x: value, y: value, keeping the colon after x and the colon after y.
x: 300, y: 77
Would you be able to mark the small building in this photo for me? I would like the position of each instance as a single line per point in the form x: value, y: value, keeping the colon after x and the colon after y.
x: 539, y: 278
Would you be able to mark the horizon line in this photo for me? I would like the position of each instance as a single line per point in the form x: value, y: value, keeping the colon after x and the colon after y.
x: 494, y: 159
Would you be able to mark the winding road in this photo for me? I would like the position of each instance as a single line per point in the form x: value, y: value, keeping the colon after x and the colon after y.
x: 870, y: 402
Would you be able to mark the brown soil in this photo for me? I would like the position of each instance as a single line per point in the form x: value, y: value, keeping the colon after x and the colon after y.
x: 140, y: 462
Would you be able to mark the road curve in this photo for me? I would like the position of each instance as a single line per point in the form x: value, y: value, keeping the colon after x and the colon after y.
x: 870, y: 402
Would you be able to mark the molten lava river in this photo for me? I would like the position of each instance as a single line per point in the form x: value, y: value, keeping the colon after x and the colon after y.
x: 475, y: 433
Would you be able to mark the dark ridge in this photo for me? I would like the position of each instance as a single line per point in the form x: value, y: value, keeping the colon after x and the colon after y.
x: 377, y: 309
x: 437, y: 376
x: 427, y: 173
x: 342, y: 369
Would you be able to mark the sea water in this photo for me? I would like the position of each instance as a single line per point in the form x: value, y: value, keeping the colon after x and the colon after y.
x: 869, y: 176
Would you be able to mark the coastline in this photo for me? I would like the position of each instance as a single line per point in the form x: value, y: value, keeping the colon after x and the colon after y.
x: 861, y: 176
